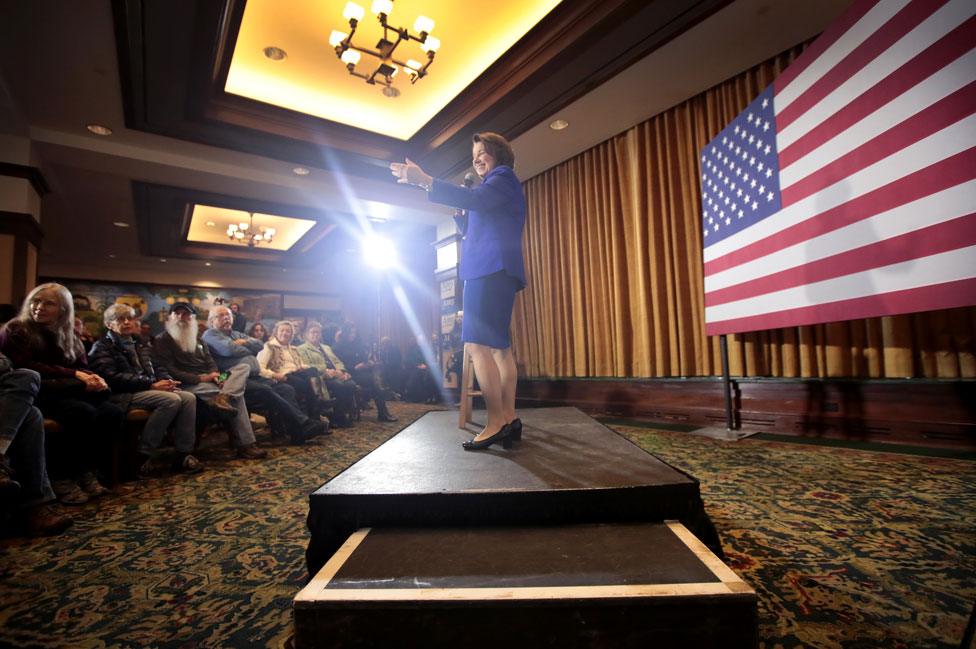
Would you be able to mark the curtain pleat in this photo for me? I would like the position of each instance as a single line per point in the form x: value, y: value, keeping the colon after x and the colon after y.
x: 613, y: 256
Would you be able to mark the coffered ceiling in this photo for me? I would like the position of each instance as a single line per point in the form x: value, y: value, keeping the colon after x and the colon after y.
x: 302, y: 73
x: 156, y: 72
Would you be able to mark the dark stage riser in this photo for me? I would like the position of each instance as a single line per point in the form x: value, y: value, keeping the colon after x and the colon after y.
x: 567, y: 469
x: 619, y: 585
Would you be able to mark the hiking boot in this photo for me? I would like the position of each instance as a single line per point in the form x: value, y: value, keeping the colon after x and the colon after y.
x: 313, y: 428
x: 221, y: 403
x: 90, y: 485
x: 187, y: 464
x: 46, y: 520
x: 146, y: 470
x: 9, y: 488
x: 251, y: 452
x: 69, y: 493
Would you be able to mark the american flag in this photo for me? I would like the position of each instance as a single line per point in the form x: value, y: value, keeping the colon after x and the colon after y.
x: 847, y: 189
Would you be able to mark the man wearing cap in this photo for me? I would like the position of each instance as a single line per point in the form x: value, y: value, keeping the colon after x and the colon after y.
x: 186, y: 360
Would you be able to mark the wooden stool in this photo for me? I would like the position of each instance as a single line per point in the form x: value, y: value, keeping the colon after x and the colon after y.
x: 468, y: 393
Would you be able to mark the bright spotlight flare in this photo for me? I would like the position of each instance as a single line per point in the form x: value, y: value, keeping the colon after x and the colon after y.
x: 379, y: 251
x: 388, y: 67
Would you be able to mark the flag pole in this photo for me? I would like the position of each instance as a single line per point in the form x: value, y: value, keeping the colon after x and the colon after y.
x: 726, y: 381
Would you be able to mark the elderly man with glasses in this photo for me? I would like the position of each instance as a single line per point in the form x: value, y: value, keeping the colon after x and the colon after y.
x: 230, y: 347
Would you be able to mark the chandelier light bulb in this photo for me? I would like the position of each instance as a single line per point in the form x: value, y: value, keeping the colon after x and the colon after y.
x: 244, y: 226
x: 238, y: 235
x: 336, y: 37
x: 413, y: 65
x: 353, y: 12
x: 350, y: 57
x: 430, y: 44
x: 422, y: 24
x: 232, y: 227
x: 270, y: 232
x: 382, y: 7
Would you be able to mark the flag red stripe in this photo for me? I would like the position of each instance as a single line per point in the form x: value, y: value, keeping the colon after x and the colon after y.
x: 926, y: 298
x: 830, y: 36
x: 932, y: 119
x: 940, y: 54
x: 888, y: 34
x: 950, y: 172
x: 941, y: 237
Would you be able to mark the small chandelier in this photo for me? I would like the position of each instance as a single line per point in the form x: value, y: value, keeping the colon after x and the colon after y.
x: 246, y: 234
x: 388, y: 67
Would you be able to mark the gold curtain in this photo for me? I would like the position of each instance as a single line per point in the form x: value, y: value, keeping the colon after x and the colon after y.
x: 613, y: 257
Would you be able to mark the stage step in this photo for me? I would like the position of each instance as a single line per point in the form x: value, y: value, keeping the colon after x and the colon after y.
x: 597, y: 585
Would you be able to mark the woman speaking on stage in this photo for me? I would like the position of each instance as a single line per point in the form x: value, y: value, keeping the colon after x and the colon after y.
x: 493, y: 272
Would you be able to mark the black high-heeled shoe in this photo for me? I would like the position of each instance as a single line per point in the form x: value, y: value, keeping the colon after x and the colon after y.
x: 516, y: 426
x: 503, y: 435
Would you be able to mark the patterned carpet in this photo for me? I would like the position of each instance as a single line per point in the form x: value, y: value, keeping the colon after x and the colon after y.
x: 845, y: 548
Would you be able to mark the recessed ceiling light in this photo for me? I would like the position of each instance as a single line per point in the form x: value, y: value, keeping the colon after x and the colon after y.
x: 275, y: 53
x: 98, y: 129
x: 300, y: 171
x: 111, y: 255
x: 558, y: 124
x: 211, y: 224
x: 162, y: 261
x: 120, y: 224
x: 207, y: 263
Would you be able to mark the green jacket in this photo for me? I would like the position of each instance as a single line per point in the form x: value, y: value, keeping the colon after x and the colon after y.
x: 321, y: 357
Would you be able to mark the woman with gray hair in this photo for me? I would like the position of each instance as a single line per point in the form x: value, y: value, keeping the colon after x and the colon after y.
x: 281, y: 361
x: 126, y: 364
x: 42, y: 338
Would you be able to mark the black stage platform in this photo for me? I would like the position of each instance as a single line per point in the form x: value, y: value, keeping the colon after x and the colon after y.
x: 609, y: 585
x: 567, y: 469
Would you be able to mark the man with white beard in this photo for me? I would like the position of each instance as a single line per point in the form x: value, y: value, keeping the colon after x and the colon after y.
x: 179, y: 353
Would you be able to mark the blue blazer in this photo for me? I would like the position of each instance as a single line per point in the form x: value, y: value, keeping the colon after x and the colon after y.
x: 496, y: 218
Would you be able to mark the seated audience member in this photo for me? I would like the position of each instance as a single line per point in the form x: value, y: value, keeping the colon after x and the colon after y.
x: 258, y: 332
x: 126, y: 364
x: 240, y: 322
x: 177, y: 352
x: 230, y: 347
x: 23, y: 473
x: 42, y: 338
x: 87, y: 340
x: 340, y: 384
x: 421, y: 385
x: 145, y: 334
x: 390, y: 365
x: 355, y: 358
x: 281, y: 361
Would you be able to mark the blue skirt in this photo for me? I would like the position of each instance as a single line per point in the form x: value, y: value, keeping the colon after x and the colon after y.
x: 488, y: 303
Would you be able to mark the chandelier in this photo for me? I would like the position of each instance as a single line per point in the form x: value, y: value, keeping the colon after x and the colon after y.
x: 246, y: 234
x: 388, y: 65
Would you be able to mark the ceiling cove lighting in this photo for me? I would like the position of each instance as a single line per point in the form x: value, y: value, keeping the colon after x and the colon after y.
x: 246, y: 234
x: 388, y: 65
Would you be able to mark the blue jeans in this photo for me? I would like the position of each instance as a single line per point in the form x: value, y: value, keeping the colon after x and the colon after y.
x: 234, y: 388
x: 22, y: 435
x: 177, y: 408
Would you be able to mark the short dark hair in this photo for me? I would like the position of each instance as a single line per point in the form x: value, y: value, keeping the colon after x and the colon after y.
x: 497, y: 147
